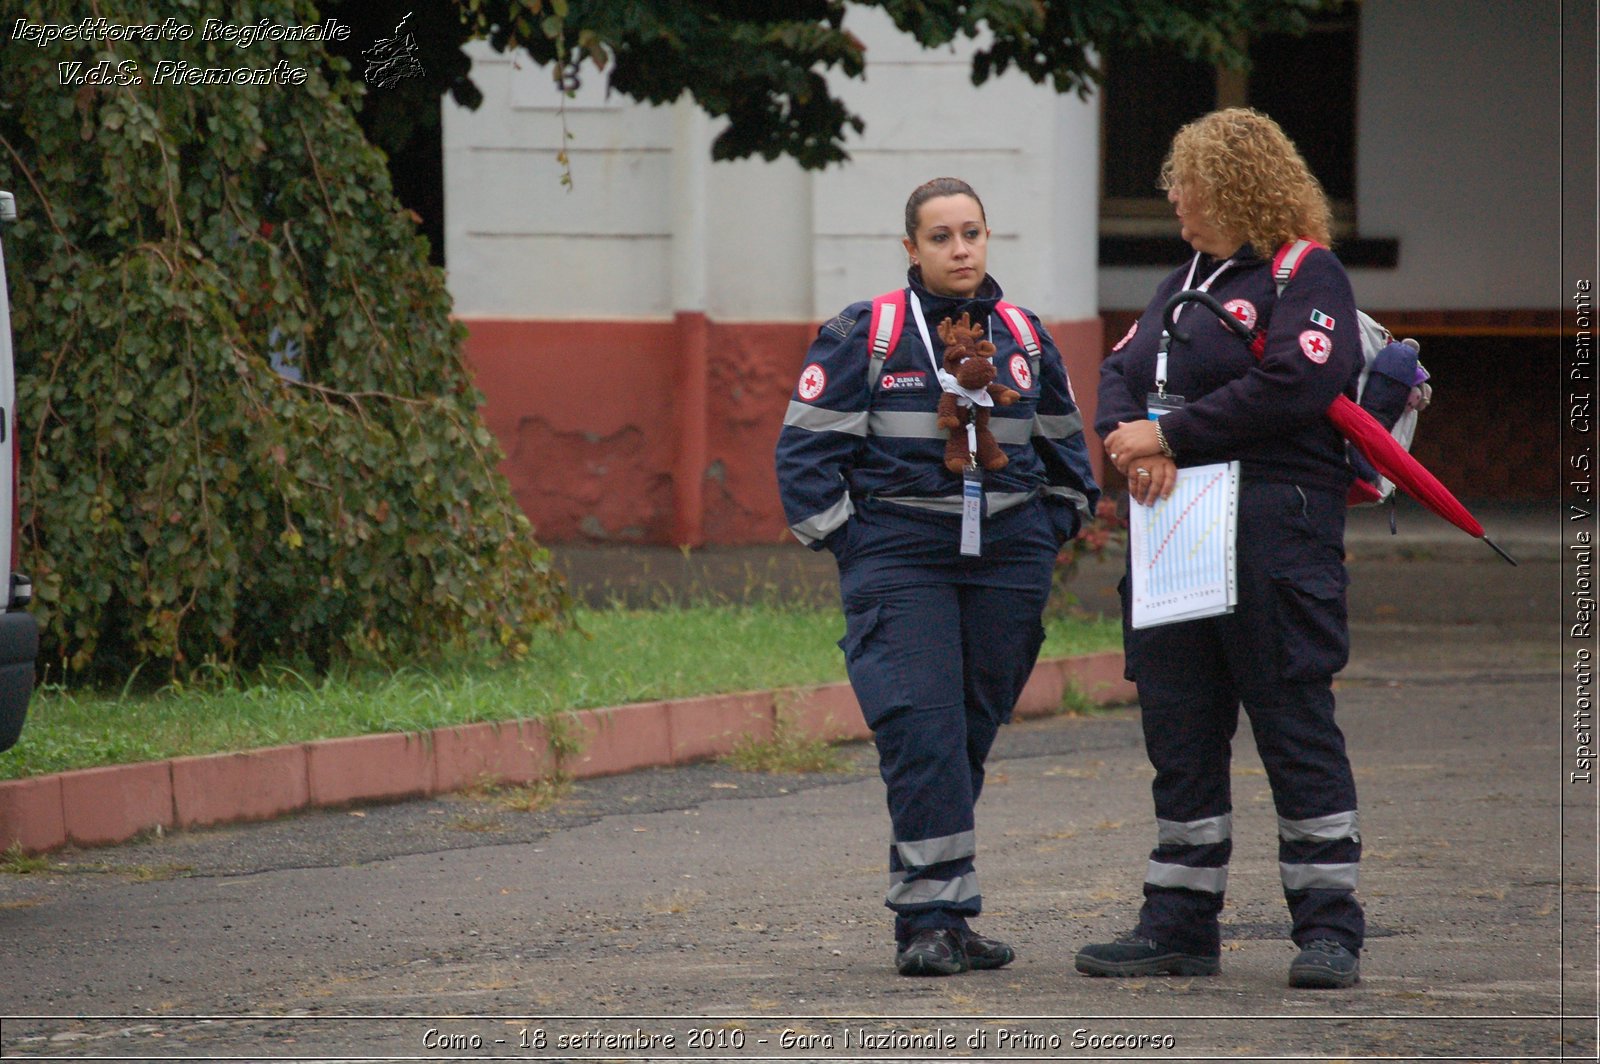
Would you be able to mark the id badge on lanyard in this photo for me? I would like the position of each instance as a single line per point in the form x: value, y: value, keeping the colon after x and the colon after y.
x: 971, y: 500
x: 1158, y: 403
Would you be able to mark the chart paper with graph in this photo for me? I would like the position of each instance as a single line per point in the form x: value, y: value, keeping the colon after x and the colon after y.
x: 1181, y: 549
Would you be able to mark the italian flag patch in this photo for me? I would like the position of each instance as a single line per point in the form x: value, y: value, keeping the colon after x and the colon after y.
x: 1319, y: 318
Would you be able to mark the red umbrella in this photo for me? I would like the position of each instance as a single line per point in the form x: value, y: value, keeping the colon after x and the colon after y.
x: 1363, y: 430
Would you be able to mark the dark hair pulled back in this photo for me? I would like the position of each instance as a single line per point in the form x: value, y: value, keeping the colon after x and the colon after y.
x: 939, y: 186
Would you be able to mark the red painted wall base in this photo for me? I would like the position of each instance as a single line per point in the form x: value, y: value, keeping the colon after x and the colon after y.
x: 602, y: 422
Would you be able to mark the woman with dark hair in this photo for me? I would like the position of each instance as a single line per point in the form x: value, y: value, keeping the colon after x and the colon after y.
x: 1241, y: 192
x: 943, y: 572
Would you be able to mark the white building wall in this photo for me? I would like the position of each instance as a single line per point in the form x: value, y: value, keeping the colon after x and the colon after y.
x: 760, y: 252
x: 520, y: 245
x: 1460, y: 151
x: 1031, y: 155
x: 779, y: 243
x: 1458, y: 157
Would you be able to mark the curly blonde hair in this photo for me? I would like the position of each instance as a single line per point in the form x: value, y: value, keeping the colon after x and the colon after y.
x: 1249, y: 179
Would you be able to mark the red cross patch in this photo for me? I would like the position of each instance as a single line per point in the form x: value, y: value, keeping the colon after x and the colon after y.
x: 812, y: 381
x: 1020, y: 371
x: 1317, y: 346
x: 1243, y: 310
x: 1120, y: 344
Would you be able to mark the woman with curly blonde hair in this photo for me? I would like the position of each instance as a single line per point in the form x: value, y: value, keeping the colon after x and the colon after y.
x: 1248, y: 178
x: 1240, y: 191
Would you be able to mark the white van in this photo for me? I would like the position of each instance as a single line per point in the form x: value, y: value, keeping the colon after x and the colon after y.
x: 19, y: 632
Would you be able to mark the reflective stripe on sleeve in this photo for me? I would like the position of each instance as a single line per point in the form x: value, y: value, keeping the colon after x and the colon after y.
x: 1194, y: 832
x: 1057, y: 426
x: 1078, y: 499
x: 998, y: 501
x: 1012, y: 430
x: 905, y: 425
x: 921, y: 891
x: 820, y: 419
x: 1328, y: 828
x: 925, y: 852
x: 1209, y: 880
x: 923, y: 425
x: 1318, y: 876
x: 818, y: 525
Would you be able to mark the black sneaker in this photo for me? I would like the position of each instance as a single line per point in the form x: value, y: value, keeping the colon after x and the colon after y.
x: 985, y: 953
x: 1325, y: 965
x: 1133, y: 954
x: 934, y: 951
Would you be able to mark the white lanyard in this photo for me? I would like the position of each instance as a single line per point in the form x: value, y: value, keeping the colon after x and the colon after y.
x: 972, y: 482
x: 1161, y: 349
x: 979, y: 397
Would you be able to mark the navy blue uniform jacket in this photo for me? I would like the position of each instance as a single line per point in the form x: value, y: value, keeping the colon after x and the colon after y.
x: 1267, y: 414
x: 848, y: 440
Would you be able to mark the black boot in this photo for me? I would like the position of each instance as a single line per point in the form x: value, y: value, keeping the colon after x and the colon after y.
x: 1132, y: 954
x: 985, y: 953
x: 932, y: 951
x: 1325, y: 965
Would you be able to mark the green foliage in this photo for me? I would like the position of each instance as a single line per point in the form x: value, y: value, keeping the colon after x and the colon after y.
x: 760, y: 64
x: 606, y: 658
x: 182, y: 501
x: 789, y: 751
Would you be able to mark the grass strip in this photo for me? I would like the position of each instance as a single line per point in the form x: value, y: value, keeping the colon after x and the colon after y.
x: 618, y: 656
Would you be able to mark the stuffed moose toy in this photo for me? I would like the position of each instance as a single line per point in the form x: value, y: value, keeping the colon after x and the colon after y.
x: 969, y: 359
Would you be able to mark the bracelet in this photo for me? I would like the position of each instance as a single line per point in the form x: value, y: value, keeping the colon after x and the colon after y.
x: 1161, y: 441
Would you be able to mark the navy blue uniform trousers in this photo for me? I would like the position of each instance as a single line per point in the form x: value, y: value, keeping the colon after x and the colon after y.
x: 1276, y: 654
x: 938, y: 647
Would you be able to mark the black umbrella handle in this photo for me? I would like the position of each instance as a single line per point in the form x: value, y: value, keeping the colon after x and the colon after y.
x: 1193, y: 295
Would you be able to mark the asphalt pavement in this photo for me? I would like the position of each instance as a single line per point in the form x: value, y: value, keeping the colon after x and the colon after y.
x: 700, y: 912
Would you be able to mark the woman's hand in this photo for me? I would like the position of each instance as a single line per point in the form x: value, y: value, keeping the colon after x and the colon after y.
x: 1130, y: 441
x: 1150, y: 479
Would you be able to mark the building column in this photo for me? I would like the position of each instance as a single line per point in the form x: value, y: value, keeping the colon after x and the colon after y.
x: 1079, y: 332
x: 690, y: 158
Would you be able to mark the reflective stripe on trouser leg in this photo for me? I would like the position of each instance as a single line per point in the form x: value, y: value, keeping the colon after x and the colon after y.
x: 1290, y: 634
x: 1319, y: 828
x: 1185, y: 881
x: 908, y: 615
x: 929, y: 872
x: 905, y: 669
x: 946, y: 893
x: 1309, y: 852
x: 1192, y: 855
x: 925, y: 852
x: 1189, y: 713
x: 1319, y: 861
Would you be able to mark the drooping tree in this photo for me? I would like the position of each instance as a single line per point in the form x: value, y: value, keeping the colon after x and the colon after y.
x: 761, y: 64
x: 247, y: 430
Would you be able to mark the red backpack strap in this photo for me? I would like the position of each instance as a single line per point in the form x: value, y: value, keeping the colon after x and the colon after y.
x: 1289, y: 258
x: 888, y: 318
x: 1016, y: 320
x: 1284, y: 265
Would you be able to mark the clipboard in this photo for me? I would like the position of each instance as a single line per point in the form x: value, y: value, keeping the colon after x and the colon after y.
x: 1183, y: 550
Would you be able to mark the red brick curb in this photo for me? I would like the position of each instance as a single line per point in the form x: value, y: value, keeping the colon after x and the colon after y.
x: 252, y: 785
x: 513, y: 752
x: 101, y: 806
